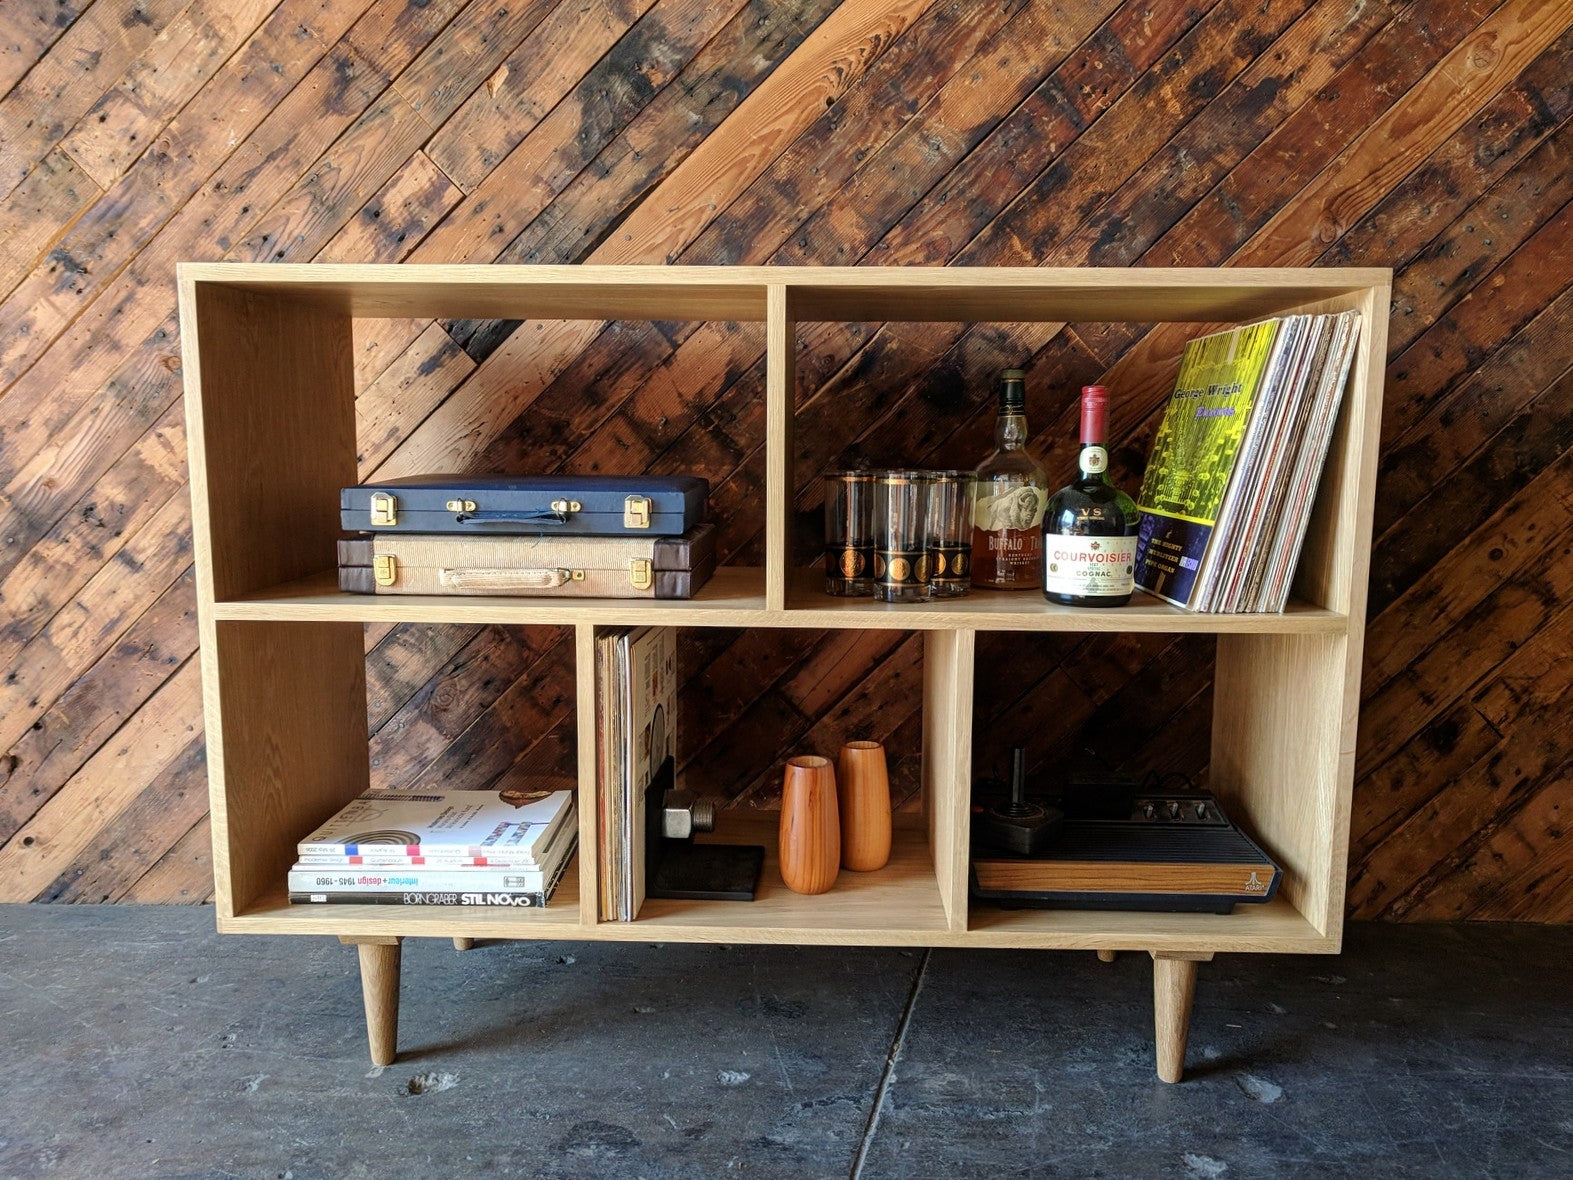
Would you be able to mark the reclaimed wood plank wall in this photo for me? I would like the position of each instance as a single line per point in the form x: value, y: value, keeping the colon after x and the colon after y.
x: 1432, y: 137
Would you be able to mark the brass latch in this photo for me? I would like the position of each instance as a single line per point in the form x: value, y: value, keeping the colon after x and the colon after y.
x: 385, y: 569
x: 639, y: 573
x: 566, y: 506
x: 636, y: 512
x: 461, y: 505
x: 384, y: 510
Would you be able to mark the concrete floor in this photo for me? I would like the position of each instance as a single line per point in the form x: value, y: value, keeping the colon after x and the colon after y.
x: 137, y: 1043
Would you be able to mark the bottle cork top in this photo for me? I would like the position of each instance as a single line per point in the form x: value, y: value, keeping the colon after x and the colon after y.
x: 1094, y: 414
x: 1013, y: 392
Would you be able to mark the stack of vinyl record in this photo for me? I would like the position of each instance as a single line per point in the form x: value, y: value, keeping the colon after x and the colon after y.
x: 554, y: 536
x: 506, y: 848
x: 1229, y: 489
x: 636, y: 732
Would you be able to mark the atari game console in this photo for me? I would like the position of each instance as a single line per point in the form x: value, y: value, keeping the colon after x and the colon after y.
x: 1173, y: 852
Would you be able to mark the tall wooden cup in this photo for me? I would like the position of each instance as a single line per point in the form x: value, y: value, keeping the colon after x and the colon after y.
x: 864, y: 788
x: 810, y: 825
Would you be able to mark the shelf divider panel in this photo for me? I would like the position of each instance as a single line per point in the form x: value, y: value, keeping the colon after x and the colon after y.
x: 947, y: 762
x: 588, y: 738
x: 780, y: 405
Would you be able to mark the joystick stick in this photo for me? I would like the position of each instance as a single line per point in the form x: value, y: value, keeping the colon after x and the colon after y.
x: 1018, y: 827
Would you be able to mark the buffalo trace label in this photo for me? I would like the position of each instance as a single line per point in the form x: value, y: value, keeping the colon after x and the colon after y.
x: 1014, y: 505
x: 1089, y: 565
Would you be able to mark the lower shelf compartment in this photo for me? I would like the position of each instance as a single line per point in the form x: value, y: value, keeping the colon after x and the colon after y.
x: 899, y: 905
x: 274, y: 914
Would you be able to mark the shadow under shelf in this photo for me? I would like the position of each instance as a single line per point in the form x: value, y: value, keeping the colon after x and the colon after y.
x: 1004, y: 610
x: 735, y: 597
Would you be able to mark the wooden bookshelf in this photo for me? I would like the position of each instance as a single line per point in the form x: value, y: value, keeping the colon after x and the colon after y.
x: 270, y: 405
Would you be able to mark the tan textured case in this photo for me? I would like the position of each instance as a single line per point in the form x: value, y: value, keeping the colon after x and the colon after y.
x: 551, y: 567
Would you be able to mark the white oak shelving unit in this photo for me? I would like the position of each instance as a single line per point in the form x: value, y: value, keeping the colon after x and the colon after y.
x: 270, y: 405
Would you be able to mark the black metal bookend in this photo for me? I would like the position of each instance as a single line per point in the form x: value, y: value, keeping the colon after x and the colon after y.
x: 677, y: 867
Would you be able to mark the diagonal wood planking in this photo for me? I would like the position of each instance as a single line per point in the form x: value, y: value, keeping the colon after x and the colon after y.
x: 1429, y: 136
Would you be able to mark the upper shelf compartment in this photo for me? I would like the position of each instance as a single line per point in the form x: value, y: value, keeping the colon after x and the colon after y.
x: 268, y: 359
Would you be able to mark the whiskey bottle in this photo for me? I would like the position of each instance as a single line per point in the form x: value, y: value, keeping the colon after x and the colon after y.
x: 1012, y: 486
x: 1090, y: 526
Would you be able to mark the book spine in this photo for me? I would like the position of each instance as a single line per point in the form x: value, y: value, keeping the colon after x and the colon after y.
x: 316, y: 878
x: 526, y: 899
x: 389, y: 864
x: 389, y: 852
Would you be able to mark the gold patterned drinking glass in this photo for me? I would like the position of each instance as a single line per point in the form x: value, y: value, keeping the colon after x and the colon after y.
x: 849, y: 533
x: 948, y: 533
x: 901, y: 571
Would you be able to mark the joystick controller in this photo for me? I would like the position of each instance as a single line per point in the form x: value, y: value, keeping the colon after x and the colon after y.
x: 1018, y: 827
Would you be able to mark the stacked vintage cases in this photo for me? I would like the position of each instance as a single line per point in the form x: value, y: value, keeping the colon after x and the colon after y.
x: 553, y: 536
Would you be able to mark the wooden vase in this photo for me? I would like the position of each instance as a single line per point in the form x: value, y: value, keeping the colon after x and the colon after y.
x: 863, y: 785
x: 810, y: 825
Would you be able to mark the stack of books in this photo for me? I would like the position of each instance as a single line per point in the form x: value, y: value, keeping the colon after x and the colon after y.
x: 493, y: 848
x: 636, y: 732
x: 1228, y: 492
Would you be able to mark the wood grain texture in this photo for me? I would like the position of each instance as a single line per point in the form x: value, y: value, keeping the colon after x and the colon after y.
x: 810, y: 837
x: 379, y: 981
x: 1429, y: 136
x: 948, y: 679
x: 863, y: 795
x: 1173, y: 990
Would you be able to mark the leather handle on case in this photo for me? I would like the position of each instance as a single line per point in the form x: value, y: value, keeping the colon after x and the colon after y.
x: 503, y: 516
x: 495, y: 579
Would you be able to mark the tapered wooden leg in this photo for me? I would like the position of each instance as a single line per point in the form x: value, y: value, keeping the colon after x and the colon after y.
x: 379, y: 986
x: 1173, y: 988
x: 464, y: 944
x: 1105, y: 956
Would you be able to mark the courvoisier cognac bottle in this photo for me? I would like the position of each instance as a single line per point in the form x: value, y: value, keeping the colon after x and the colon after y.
x: 1007, y: 541
x: 1089, y: 525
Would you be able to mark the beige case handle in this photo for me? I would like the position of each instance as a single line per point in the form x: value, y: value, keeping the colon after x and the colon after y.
x: 495, y: 579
